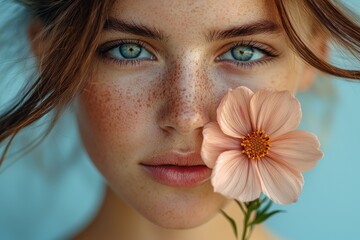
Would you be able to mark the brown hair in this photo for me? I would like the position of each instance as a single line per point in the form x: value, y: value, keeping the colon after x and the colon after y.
x: 72, y: 30
x: 327, y: 19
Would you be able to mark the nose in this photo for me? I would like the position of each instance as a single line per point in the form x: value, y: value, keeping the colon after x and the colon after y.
x: 186, y: 107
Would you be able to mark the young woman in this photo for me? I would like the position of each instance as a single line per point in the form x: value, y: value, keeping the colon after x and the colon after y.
x: 146, y: 76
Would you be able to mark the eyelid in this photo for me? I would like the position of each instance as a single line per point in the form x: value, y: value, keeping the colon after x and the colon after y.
x: 106, y: 47
x: 266, y: 49
x: 270, y: 55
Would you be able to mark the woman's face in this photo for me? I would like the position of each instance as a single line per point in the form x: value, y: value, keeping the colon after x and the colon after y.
x: 163, y: 67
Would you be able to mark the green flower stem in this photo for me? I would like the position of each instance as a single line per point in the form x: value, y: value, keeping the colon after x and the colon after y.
x: 244, y: 231
x: 254, y: 214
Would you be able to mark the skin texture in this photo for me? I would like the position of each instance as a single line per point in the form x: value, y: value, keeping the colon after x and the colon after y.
x: 130, y: 113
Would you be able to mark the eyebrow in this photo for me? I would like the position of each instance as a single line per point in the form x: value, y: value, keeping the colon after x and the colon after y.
x: 134, y: 28
x: 259, y: 27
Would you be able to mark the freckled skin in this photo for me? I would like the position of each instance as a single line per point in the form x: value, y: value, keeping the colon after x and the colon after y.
x: 128, y: 114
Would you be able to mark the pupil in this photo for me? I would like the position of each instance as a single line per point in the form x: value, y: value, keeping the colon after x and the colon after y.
x: 129, y: 50
x: 242, y: 53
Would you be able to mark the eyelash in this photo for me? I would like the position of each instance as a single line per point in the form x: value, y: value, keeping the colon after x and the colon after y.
x: 270, y: 53
x: 104, y: 49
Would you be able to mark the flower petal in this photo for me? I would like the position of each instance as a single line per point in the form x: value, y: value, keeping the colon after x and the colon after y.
x: 233, y: 113
x: 234, y: 176
x: 215, y: 142
x: 280, y: 182
x: 275, y: 112
x: 297, y: 148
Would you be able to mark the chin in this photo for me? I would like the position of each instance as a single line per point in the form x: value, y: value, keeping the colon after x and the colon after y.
x: 180, y: 208
x: 182, y: 223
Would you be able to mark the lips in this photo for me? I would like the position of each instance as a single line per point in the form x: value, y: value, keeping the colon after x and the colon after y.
x: 177, y: 169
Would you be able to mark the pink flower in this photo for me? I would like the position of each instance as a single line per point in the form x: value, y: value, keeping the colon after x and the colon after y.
x: 256, y: 148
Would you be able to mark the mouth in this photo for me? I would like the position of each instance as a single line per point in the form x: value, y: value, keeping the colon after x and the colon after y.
x: 177, y: 169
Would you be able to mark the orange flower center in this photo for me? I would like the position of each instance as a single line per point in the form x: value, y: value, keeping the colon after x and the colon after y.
x: 256, y: 145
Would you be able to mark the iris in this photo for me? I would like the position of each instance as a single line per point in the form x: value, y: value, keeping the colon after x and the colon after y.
x: 130, y: 50
x: 242, y: 53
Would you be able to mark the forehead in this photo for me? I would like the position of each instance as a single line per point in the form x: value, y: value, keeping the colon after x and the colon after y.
x: 182, y: 16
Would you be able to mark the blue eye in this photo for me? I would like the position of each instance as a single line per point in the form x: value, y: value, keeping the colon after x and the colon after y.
x: 129, y: 51
x: 125, y: 52
x: 243, y: 53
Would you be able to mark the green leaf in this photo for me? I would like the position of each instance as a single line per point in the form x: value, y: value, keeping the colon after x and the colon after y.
x: 232, y: 222
x: 240, y: 206
x: 265, y: 216
x: 263, y: 199
x: 264, y: 210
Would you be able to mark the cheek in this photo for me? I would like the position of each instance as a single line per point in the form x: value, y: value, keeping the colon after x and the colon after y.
x: 109, y: 118
x: 290, y: 75
x: 284, y: 73
x: 285, y: 76
x: 283, y: 81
